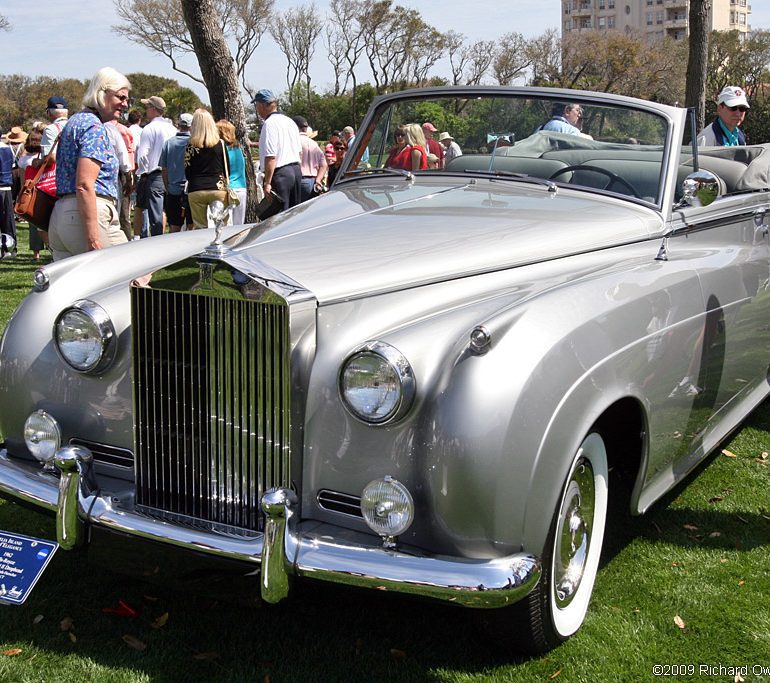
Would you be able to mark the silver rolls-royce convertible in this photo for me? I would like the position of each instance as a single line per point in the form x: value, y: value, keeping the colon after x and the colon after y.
x: 428, y: 380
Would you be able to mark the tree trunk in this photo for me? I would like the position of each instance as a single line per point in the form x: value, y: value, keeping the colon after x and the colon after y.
x: 218, y: 71
x: 697, y: 63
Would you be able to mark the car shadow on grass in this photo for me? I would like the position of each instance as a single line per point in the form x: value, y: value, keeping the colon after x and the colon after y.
x: 713, y: 526
x: 322, y: 632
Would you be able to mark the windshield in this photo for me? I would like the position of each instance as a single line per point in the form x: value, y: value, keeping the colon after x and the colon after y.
x: 608, y: 147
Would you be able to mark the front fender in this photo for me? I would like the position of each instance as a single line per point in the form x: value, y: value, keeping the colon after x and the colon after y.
x: 508, y: 423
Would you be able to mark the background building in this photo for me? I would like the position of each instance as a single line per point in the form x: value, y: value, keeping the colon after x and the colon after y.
x: 653, y: 18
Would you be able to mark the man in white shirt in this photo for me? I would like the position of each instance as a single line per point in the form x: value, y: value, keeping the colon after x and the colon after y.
x: 280, y: 150
x: 451, y: 148
x: 56, y: 113
x: 150, y: 190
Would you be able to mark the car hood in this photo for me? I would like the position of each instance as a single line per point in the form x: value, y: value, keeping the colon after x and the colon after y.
x: 371, y: 236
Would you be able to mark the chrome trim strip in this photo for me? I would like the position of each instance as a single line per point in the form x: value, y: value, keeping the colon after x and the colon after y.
x: 695, y: 225
x: 28, y: 482
x: 310, y: 550
x: 268, y: 277
x: 493, y: 583
x: 106, y: 454
x: 342, y: 503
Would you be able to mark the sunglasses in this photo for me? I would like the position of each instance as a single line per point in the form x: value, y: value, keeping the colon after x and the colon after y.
x: 739, y: 107
x: 122, y: 98
x: 338, y: 148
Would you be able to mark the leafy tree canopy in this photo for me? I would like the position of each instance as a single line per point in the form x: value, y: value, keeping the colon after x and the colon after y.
x: 23, y: 99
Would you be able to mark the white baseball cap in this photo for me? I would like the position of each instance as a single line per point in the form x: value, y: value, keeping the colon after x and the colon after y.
x: 733, y: 96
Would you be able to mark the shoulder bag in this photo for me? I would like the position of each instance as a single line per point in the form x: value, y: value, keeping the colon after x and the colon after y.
x: 232, y: 196
x: 37, y: 196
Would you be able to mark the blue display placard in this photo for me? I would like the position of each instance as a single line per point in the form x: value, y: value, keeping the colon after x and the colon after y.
x: 22, y: 561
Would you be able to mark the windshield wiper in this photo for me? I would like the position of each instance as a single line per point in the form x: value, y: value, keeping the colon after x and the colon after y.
x: 350, y: 175
x: 552, y: 187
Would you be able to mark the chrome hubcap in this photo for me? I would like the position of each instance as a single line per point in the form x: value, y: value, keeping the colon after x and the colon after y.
x: 573, y: 533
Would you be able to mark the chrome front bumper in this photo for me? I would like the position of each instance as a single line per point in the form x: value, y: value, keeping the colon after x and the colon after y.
x: 287, y: 547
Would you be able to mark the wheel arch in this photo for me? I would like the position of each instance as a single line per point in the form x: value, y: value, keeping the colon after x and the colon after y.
x: 622, y: 423
x: 623, y: 426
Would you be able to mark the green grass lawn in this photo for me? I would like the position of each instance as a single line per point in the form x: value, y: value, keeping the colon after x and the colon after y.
x: 686, y: 585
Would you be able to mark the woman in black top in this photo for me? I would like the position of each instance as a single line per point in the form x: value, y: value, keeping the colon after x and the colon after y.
x: 204, y: 167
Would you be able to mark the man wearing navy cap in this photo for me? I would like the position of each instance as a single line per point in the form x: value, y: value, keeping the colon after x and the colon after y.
x: 56, y: 112
x: 280, y: 150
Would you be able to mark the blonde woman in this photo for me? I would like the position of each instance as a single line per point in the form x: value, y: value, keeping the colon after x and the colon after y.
x: 204, y: 167
x: 416, y: 138
x: 409, y: 153
x: 86, y: 216
x: 237, y: 167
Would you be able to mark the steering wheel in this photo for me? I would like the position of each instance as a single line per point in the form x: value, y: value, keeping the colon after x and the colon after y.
x: 614, y: 178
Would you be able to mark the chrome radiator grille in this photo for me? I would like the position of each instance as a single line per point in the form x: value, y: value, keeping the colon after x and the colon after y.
x: 212, y: 385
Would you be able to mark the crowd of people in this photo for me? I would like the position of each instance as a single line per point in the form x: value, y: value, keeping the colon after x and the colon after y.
x: 124, y: 175
x: 416, y: 149
x: 111, y: 162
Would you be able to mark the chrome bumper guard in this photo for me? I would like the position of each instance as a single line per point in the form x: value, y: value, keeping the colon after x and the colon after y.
x: 286, y: 548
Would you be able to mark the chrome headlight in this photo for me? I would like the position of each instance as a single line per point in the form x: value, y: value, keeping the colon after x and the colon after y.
x: 85, y: 337
x: 377, y: 383
x: 42, y: 435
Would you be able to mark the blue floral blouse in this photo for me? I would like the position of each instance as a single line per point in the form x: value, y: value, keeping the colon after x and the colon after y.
x: 85, y: 136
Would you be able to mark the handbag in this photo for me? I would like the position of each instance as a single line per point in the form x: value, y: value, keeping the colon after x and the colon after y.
x: 37, y: 196
x: 269, y: 206
x: 231, y: 195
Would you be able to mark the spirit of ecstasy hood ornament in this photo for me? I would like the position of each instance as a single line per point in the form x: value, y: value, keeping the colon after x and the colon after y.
x: 219, y: 214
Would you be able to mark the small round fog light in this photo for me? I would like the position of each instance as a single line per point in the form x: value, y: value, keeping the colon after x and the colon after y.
x: 42, y: 435
x: 387, y: 507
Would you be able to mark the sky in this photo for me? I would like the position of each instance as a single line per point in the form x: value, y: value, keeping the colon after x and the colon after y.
x: 73, y: 38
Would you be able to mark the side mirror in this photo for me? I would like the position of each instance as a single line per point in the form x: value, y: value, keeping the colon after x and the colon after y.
x: 701, y: 188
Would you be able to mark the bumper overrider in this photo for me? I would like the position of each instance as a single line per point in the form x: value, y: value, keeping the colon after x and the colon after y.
x: 288, y: 547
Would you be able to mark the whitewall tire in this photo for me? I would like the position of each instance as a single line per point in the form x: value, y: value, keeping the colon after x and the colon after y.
x: 557, y: 606
x: 577, y: 536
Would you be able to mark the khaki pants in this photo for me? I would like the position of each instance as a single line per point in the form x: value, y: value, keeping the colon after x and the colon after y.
x: 67, y: 235
x: 199, y: 204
